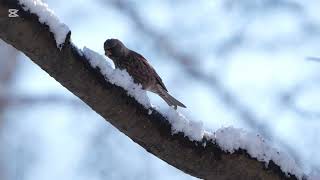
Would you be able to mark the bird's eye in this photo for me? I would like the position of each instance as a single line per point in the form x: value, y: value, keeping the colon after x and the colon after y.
x: 108, y: 52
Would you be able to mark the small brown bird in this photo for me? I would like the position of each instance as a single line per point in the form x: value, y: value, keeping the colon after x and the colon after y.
x: 140, y: 70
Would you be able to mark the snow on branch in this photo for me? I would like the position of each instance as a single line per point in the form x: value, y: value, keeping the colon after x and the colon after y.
x: 116, y: 76
x: 168, y: 134
x: 47, y: 16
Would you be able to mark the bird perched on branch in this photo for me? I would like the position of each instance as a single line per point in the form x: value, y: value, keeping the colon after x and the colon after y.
x: 140, y: 70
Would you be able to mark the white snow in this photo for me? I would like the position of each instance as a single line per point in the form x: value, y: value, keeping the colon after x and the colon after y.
x: 194, y: 130
x: 117, y: 77
x: 47, y: 16
x: 229, y: 139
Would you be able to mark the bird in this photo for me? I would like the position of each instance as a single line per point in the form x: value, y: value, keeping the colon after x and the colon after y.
x: 139, y: 69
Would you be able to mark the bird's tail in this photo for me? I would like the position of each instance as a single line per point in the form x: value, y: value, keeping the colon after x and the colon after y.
x: 171, y: 101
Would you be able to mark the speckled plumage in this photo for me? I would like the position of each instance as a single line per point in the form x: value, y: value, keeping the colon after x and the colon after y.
x: 140, y: 70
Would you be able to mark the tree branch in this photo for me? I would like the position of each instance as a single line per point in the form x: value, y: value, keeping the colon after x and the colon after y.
x: 152, y: 132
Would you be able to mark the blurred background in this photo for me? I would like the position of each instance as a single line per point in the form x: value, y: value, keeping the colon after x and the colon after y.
x: 232, y: 63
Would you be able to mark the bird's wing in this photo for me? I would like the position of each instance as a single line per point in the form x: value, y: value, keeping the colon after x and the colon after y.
x: 148, y: 66
x: 159, y: 79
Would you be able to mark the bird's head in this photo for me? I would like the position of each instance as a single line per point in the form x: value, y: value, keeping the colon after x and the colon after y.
x: 114, y: 48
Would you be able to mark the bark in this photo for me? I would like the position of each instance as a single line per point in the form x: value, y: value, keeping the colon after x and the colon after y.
x: 152, y: 132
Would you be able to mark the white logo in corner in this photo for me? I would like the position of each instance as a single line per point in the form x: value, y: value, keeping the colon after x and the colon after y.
x: 13, y: 13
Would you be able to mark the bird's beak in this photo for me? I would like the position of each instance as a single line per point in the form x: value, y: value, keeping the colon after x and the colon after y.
x: 108, y: 53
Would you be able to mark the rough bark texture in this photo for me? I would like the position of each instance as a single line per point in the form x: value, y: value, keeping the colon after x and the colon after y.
x: 152, y: 132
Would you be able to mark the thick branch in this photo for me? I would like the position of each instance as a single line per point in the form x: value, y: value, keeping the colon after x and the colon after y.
x: 152, y: 132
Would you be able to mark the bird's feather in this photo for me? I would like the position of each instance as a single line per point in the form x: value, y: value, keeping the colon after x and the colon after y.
x: 148, y: 67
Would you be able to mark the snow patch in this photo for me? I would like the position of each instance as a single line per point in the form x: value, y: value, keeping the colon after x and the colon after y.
x: 194, y: 130
x: 118, y: 77
x: 231, y: 139
x: 47, y: 16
